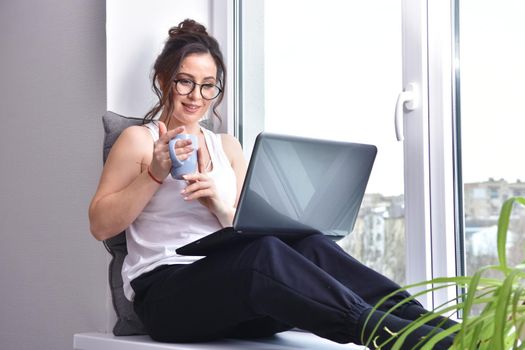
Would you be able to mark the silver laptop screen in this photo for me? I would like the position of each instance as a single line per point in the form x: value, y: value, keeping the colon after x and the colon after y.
x: 296, y: 184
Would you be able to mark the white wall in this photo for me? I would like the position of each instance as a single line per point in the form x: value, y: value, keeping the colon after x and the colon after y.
x: 136, y: 32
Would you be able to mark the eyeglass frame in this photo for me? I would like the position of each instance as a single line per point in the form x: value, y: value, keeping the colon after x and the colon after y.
x: 176, y: 81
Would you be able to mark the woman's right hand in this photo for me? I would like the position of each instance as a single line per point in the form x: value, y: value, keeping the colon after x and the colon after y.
x: 161, y: 163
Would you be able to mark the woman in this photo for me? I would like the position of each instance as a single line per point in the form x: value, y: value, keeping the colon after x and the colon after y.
x: 254, y: 289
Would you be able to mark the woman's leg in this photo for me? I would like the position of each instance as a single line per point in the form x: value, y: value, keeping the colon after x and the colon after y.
x: 365, y: 282
x: 330, y: 257
x: 261, y: 281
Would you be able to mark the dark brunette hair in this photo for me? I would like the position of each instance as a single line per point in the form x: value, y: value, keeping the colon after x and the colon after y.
x: 189, y: 37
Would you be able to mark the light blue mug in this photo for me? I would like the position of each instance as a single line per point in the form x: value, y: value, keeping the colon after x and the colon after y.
x: 187, y: 166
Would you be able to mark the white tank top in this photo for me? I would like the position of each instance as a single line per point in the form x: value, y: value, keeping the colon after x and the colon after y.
x: 168, y: 222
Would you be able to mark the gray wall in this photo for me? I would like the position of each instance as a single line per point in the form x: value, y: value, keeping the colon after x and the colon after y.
x: 52, y: 94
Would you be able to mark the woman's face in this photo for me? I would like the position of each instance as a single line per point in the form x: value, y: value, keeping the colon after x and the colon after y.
x: 195, y: 68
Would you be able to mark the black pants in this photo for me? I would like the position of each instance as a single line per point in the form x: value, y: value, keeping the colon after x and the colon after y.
x: 259, y: 288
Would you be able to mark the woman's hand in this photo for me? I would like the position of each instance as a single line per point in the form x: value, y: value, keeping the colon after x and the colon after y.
x: 161, y: 163
x: 202, y: 187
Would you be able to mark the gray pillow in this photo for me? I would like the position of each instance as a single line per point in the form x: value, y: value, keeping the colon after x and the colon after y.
x: 128, y: 322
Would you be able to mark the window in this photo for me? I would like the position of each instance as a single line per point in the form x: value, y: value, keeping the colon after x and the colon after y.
x: 491, y: 113
x: 334, y: 69
x: 333, y: 72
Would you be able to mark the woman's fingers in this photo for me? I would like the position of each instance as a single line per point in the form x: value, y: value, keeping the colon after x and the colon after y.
x: 199, y: 186
x: 162, y: 129
x: 195, y: 177
x: 198, y: 194
x: 171, y: 134
x: 183, y: 147
x: 198, y: 189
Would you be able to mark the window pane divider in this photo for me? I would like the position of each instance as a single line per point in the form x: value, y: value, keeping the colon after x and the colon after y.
x: 441, y: 148
x: 416, y: 149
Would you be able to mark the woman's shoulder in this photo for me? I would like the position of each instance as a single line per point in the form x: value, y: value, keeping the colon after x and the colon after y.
x: 230, y: 142
x: 232, y: 147
x: 227, y: 141
x: 136, y: 134
x: 135, y: 138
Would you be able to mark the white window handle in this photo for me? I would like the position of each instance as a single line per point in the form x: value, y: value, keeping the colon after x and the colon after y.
x: 408, y: 99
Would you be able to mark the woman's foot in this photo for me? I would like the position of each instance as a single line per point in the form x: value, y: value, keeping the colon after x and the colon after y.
x: 389, y: 331
x: 415, y: 311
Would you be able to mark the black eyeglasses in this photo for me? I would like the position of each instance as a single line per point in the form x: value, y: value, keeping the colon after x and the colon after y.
x: 186, y: 86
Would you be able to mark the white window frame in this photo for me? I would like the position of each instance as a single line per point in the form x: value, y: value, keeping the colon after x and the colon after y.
x: 429, y: 144
x: 416, y: 150
x: 223, y: 24
x: 442, y: 131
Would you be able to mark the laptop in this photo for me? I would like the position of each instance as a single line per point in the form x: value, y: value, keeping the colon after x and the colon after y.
x: 295, y: 186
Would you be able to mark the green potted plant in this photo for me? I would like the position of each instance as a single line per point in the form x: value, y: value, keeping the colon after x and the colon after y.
x: 492, y: 309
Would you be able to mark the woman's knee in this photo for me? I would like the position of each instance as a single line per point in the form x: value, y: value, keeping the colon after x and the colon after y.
x: 313, y: 242
x: 269, y: 254
x: 264, y: 248
x: 265, y: 245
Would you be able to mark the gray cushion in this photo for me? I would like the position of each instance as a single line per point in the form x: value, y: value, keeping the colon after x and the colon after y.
x: 128, y: 322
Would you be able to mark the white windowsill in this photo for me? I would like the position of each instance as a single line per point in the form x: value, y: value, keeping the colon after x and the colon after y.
x: 286, y: 340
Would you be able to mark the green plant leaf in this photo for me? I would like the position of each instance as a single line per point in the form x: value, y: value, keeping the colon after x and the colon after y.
x: 503, y: 226
x: 516, y: 317
x: 471, y: 292
x: 502, y: 304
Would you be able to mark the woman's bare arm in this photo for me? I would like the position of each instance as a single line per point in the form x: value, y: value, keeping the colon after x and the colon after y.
x: 234, y: 152
x: 125, y: 187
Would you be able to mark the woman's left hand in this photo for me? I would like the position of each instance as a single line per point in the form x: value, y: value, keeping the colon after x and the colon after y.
x: 202, y: 187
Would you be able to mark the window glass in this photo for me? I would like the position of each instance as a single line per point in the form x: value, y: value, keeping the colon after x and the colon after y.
x: 333, y: 71
x: 492, y: 117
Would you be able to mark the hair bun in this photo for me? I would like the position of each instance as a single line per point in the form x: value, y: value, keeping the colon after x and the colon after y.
x: 188, y: 26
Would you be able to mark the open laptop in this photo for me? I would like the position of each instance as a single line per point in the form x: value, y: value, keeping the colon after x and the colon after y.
x: 296, y: 186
